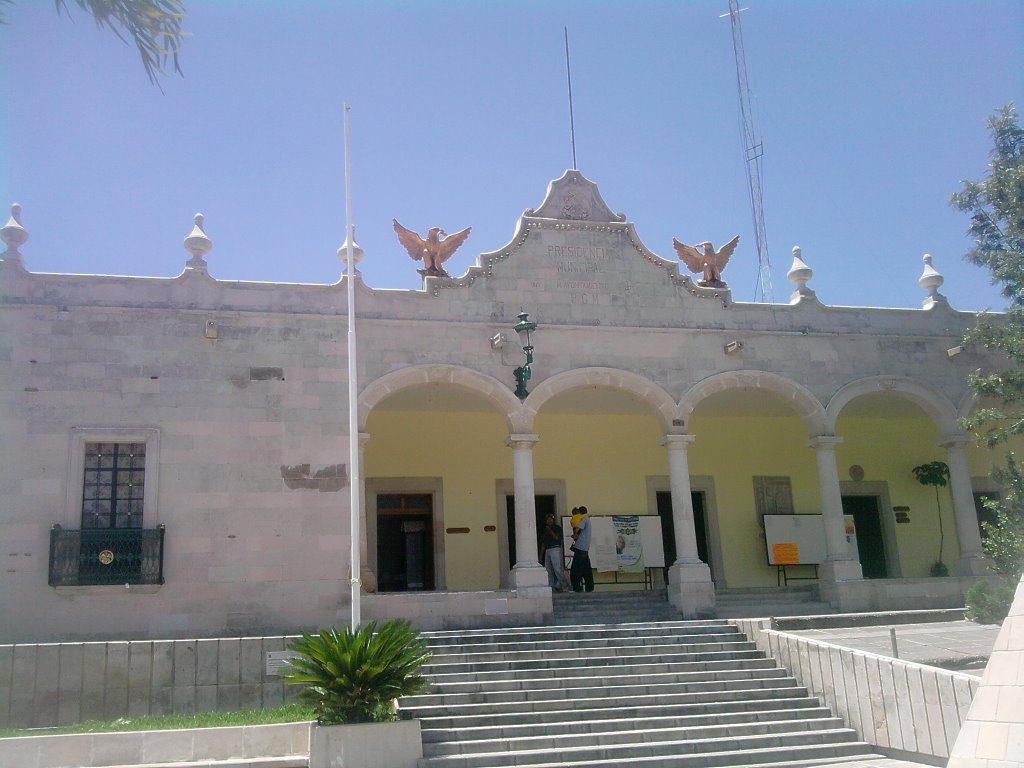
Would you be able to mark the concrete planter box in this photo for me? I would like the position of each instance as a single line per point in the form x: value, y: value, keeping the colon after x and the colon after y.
x: 81, y: 750
x: 366, y: 745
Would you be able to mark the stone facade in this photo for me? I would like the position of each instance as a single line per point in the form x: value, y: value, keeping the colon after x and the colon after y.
x: 239, y: 390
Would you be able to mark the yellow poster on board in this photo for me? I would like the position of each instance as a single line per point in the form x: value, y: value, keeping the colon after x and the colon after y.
x: 787, y: 553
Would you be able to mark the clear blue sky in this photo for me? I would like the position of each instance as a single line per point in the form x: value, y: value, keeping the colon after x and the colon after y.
x: 871, y: 113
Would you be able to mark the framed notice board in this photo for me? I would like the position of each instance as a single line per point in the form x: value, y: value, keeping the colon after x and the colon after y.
x: 794, y: 539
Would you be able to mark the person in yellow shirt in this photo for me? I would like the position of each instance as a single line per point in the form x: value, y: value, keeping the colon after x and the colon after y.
x: 580, y: 572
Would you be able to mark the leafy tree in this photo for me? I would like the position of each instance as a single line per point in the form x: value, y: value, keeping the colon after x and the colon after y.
x: 935, y: 473
x: 154, y: 26
x: 996, y: 207
x: 354, y: 677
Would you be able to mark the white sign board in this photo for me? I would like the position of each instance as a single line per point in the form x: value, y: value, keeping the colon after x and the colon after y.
x: 794, y: 539
x: 621, y: 542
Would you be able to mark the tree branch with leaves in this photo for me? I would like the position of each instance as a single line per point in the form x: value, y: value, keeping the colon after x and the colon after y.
x: 153, y: 26
x: 996, y: 207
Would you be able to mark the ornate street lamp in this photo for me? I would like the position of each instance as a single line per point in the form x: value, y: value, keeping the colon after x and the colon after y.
x: 524, y: 328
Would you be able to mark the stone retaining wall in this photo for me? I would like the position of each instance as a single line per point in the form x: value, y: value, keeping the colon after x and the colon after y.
x: 61, y: 683
x: 898, y: 706
x: 287, y: 741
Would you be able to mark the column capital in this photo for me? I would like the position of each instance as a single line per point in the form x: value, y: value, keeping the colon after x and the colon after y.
x: 521, y: 440
x: 829, y: 442
x: 956, y: 440
x: 678, y: 442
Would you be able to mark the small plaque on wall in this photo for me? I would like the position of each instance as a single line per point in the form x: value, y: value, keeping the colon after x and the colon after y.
x: 276, y: 660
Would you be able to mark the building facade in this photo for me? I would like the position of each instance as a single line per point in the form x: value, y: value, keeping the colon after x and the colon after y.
x: 176, y: 451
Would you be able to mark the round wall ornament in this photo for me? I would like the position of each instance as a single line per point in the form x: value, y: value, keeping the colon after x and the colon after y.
x: 106, y: 557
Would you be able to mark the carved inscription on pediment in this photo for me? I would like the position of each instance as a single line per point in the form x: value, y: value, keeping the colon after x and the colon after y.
x: 582, y: 270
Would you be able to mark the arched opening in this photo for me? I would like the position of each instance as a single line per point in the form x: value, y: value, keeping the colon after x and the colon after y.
x: 750, y: 450
x: 434, y: 451
x: 896, y: 526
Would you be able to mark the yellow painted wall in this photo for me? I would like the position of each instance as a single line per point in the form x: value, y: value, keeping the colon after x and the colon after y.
x: 734, y: 450
x: 888, y: 449
x: 604, y: 461
x: 466, y: 450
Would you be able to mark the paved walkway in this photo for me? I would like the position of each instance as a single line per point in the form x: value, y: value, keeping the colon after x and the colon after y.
x: 961, y: 645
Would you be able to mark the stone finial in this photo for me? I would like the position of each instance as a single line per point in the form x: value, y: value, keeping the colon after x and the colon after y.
x: 198, y: 244
x: 799, y: 274
x: 14, y: 235
x: 357, y: 253
x: 930, y: 281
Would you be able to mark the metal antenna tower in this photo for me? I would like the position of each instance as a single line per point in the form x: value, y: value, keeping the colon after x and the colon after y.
x: 753, y: 151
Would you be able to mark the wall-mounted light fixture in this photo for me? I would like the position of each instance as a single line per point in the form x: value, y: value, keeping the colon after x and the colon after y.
x: 524, y: 328
x: 498, y: 340
x: 733, y: 346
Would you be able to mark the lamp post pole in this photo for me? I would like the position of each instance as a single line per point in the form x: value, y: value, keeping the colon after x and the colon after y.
x: 355, y: 474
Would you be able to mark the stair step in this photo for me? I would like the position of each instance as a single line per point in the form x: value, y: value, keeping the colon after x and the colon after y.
x: 722, y: 717
x: 787, y: 698
x: 522, y: 666
x: 580, y: 630
x: 612, y: 665
x: 704, y: 750
x: 532, y: 704
x: 656, y: 647
x: 647, y: 682
x: 568, y: 738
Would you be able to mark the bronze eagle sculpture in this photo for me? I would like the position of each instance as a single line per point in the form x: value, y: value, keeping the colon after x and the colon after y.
x: 709, y: 262
x: 433, y: 251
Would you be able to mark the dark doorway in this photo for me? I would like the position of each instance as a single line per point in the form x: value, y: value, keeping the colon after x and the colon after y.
x: 985, y: 515
x: 668, y: 528
x: 870, y: 546
x: 542, y: 505
x: 405, y: 542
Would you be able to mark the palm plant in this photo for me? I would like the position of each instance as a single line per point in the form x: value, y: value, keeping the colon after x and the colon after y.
x: 935, y: 473
x: 355, y: 677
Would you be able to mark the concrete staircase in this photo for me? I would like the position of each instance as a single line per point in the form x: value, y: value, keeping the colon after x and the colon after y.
x: 759, y: 602
x: 650, y: 695
x: 623, y: 607
x: 573, y: 608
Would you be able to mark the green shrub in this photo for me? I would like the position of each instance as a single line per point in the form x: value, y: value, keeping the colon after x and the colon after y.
x: 989, y: 603
x: 354, y: 678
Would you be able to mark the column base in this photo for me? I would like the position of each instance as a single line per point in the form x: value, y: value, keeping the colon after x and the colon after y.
x: 528, y: 577
x: 367, y: 581
x: 974, y: 566
x: 841, y: 584
x: 840, y: 570
x: 691, y: 590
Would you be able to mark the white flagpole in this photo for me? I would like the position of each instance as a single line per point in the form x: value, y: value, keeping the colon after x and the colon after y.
x: 355, y: 471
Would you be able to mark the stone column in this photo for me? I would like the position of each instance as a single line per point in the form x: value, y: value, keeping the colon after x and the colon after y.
x: 367, y: 578
x: 527, y: 571
x: 839, y: 564
x: 972, y: 558
x: 690, y: 588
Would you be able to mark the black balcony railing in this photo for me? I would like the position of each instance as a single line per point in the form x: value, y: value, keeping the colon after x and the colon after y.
x: 106, y: 556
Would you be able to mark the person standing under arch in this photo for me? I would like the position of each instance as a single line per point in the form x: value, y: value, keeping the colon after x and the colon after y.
x: 580, y: 573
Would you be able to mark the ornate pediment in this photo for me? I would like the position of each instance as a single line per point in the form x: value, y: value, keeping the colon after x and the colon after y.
x: 575, y: 198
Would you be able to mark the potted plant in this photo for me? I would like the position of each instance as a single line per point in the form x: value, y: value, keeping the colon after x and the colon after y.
x: 935, y: 473
x: 353, y: 681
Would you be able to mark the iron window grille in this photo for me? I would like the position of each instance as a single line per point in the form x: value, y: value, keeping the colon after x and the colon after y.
x: 106, y: 556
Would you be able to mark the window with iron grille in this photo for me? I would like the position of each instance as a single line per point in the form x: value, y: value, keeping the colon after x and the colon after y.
x: 113, y: 486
